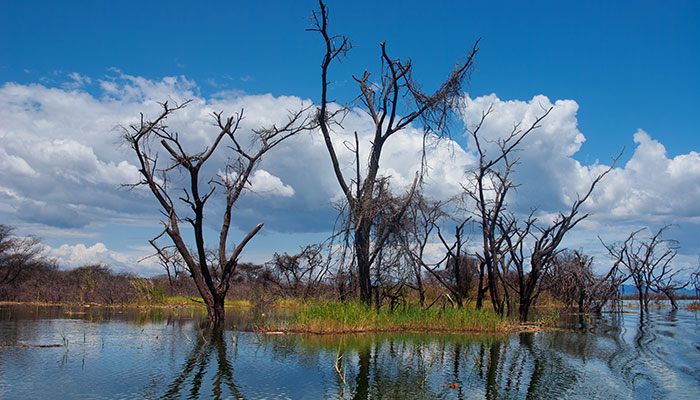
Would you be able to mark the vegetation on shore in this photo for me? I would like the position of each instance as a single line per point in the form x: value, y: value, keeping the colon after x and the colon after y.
x: 332, y: 317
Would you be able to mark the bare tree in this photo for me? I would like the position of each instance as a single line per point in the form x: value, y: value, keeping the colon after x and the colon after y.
x: 389, y: 223
x: 695, y: 280
x: 488, y: 188
x: 212, y: 277
x: 455, y: 271
x: 169, y: 258
x: 457, y: 263
x: 665, y: 283
x: 547, y: 240
x: 302, y: 273
x: 648, y: 263
x: 572, y: 280
x: 422, y: 216
x: 18, y: 255
x: 504, y: 238
x: 384, y: 101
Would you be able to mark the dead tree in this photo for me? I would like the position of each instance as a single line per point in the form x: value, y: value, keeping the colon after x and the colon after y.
x: 695, y: 281
x: 648, y: 264
x: 169, y: 258
x: 422, y: 216
x: 547, y: 240
x: 488, y: 188
x: 504, y: 238
x: 456, y: 263
x: 387, y: 218
x: 665, y: 284
x: 454, y: 271
x: 299, y: 275
x: 153, y: 141
x: 394, y: 102
x: 572, y: 280
x: 19, y: 255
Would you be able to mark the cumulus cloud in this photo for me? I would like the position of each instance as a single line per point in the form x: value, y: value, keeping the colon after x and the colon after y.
x: 653, y: 184
x: 649, y: 190
x: 73, y: 256
x: 262, y: 182
x: 62, y: 163
x: 650, y: 184
x: 16, y: 165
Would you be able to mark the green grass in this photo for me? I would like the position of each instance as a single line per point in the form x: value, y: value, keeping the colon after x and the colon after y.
x: 194, y: 301
x: 287, y: 304
x: 179, y: 300
x: 238, y: 303
x: 336, y: 317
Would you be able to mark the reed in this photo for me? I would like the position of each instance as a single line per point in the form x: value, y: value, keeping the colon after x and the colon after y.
x: 337, y: 317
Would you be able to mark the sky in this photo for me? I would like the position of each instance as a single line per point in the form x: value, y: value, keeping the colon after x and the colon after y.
x: 620, y: 75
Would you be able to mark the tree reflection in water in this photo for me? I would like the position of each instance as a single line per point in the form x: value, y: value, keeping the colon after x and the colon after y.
x: 209, y: 344
x: 135, y: 354
x: 599, y: 358
x: 386, y: 367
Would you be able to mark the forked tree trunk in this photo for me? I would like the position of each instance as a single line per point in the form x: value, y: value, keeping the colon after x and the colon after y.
x: 215, y: 312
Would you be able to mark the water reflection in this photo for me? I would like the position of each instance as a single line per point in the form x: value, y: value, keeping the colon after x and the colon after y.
x: 210, y: 347
x: 169, y: 354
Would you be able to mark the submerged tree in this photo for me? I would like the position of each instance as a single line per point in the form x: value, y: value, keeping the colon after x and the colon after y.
x: 393, y: 102
x: 153, y: 141
x: 571, y: 279
x: 488, y: 188
x: 542, y: 253
x: 510, y: 247
x: 648, y: 263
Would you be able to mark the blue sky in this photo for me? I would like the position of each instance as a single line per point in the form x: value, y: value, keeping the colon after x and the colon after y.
x: 626, y: 65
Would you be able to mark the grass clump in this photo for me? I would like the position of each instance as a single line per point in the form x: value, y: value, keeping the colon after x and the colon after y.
x: 287, y: 304
x: 180, y: 300
x: 146, y: 291
x: 238, y: 303
x: 694, y: 306
x: 337, y: 317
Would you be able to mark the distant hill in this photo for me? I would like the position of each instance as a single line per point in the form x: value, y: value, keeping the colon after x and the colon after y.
x: 630, y: 290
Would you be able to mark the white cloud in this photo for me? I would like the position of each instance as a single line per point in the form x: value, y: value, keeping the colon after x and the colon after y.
x: 80, y: 255
x: 61, y: 163
x: 16, y: 165
x: 650, y: 190
x: 652, y: 184
x: 649, y: 184
x: 262, y: 182
x: 77, y: 81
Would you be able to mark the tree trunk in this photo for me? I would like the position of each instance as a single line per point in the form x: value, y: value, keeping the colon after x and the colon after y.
x: 215, y: 310
x: 480, y: 289
x: 524, y: 308
x: 581, y: 299
x: 362, y: 240
x: 493, y: 289
x: 419, y: 286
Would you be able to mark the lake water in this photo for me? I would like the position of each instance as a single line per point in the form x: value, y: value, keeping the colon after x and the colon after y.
x: 166, y: 354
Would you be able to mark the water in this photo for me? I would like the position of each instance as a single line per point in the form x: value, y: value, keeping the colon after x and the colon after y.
x: 170, y: 354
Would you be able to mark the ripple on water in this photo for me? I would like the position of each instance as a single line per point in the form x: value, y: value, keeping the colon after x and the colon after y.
x: 140, y: 355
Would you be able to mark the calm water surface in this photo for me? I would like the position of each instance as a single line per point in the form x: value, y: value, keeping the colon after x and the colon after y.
x: 168, y: 354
